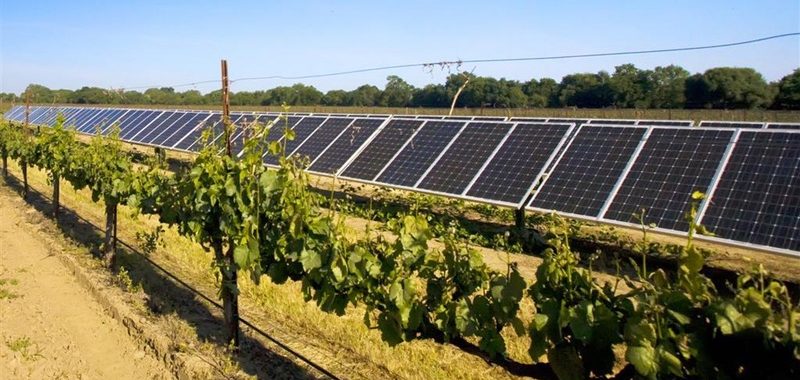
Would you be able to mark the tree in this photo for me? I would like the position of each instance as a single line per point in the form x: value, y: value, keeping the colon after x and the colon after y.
x: 788, y: 96
x: 728, y: 88
x: 631, y: 86
x: 304, y: 95
x: 365, y: 96
x: 191, y: 97
x: 541, y: 93
x: 336, y: 98
x: 432, y: 95
x: 163, y: 95
x: 668, y: 87
x: 38, y: 93
x: 397, y: 93
x: 585, y: 90
x: 92, y: 95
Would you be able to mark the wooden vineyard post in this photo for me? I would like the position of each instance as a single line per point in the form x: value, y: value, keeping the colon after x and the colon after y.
x: 230, y: 297
x: 226, y: 111
x: 24, y: 162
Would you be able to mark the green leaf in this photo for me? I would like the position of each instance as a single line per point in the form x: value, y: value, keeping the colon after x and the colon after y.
x: 310, y: 259
x: 391, y: 331
x: 643, y: 359
x: 241, y: 255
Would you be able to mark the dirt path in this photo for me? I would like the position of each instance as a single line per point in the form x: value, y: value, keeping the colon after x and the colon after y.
x: 51, y: 327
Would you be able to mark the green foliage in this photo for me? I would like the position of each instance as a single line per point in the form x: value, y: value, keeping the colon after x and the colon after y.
x: 788, y: 96
x: 577, y: 320
x: 728, y: 87
x: 54, y: 150
x: 667, y: 87
x: 104, y: 168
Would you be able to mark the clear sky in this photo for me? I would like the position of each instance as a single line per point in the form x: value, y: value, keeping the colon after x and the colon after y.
x: 69, y: 44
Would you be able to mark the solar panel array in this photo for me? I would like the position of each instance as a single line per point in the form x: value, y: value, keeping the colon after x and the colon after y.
x: 596, y: 169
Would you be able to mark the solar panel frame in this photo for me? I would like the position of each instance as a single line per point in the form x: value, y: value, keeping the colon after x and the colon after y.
x: 611, y: 191
x: 142, y: 125
x: 731, y: 124
x: 551, y: 157
x: 338, y: 156
x: 193, y: 122
x: 88, y: 124
x: 160, y: 128
x: 789, y: 126
x: 321, y: 139
x: 665, y: 123
x: 14, y: 112
x: 613, y: 121
x: 82, y: 112
x: 705, y: 207
x: 309, y: 125
x: 644, y: 157
x: 447, y: 179
x: 405, y: 160
x: 380, y: 149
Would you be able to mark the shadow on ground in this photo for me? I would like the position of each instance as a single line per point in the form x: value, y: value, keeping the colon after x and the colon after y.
x: 165, y: 296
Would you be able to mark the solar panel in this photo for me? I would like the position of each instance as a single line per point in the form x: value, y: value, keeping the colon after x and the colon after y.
x: 513, y: 171
x: 420, y: 152
x: 456, y: 168
x: 490, y: 118
x: 51, y: 119
x: 731, y: 124
x: 322, y: 137
x: 673, y: 163
x: 70, y: 112
x: 757, y: 199
x: 85, y: 119
x: 90, y: 124
x: 73, y: 120
x: 242, y: 131
x: 14, y: 113
x: 613, y: 121
x: 191, y: 141
x: 783, y: 125
x: 41, y: 113
x: 112, y: 119
x: 337, y: 154
x: 166, y: 128
x: 130, y: 118
x: 381, y: 149
x: 667, y: 123
x: 146, y: 124
x: 302, y: 130
x: 195, y: 119
x: 592, y: 164
x: 529, y: 119
x: 577, y: 122
x: 157, y: 126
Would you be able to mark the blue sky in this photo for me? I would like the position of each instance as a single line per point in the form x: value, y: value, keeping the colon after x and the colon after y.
x: 69, y: 44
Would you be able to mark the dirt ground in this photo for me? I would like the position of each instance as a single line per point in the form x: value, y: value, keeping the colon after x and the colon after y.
x: 51, y: 327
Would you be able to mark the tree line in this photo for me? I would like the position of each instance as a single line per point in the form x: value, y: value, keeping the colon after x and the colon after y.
x: 665, y: 87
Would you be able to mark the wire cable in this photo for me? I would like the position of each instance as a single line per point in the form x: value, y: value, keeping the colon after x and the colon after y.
x: 541, y: 58
x: 485, y: 60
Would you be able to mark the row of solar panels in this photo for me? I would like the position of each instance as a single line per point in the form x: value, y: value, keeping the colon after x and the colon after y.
x: 588, y: 171
x: 18, y: 112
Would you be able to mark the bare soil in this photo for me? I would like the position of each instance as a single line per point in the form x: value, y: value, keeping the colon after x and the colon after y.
x: 50, y: 326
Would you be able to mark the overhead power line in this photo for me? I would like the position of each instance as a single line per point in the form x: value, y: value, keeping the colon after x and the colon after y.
x: 486, y: 60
